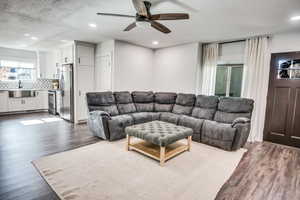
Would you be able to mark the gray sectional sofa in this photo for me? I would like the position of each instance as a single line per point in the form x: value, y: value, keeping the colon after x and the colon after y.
x: 221, y: 122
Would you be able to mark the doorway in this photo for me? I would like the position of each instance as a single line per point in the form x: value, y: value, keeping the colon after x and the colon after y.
x: 282, y: 123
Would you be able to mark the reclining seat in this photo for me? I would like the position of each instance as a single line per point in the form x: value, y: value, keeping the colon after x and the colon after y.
x: 105, y: 102
x: 231, y: 126
x: 164, y: 103
x: 117, y: 124
x: 205, y: 108
x: 144, y: 103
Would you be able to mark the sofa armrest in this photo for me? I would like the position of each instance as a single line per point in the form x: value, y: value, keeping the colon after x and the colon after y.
x: 240, y: 120
x: 97, y: 123
x: 241, y: 135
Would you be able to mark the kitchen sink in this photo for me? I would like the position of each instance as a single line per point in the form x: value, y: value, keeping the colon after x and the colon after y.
x: 21, y: 93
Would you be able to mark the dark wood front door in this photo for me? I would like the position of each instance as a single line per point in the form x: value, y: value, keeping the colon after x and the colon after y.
x: 282, y: 123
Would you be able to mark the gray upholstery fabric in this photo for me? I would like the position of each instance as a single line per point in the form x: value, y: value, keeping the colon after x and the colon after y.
x: 169, y: 117
x: 143, y: 97
x: 163, y: 107
x: 144, y: 107
x: 159, y: 133
x: 95, y: 123
x: 241, y: 136
x: 224, y: 117
x: 117, y: 125
x: 143, y: 117
x: 124, y: 102
x: 112, y: 109
x: 218, y: 134
x: 123, y: 97
x: 143, y: 101
x: 103, y: 101
x: 164, y: 102
x: 184, y: 104
x: 240, y: 120
x: 165, y: 98
x: 205, y: 107
x: 191, y: 122
x: 235, y: 105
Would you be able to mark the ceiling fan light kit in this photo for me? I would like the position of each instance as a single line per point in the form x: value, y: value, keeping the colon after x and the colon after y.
x: 144, y: 18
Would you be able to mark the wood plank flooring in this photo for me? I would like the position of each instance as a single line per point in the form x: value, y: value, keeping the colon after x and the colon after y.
x: 268, y: 171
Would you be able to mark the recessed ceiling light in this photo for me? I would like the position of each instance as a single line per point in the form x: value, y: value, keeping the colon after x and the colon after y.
x: 34, y: 38
x: 93, y: 25
x: 295, y: 18
x: 26, y: 34
x: 155, y: 42
x: 63, y: 40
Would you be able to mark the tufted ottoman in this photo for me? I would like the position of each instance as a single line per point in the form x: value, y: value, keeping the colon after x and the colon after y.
x: 159, y: 139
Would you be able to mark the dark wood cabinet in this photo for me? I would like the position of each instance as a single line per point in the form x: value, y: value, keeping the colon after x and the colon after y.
x: 282, y: 123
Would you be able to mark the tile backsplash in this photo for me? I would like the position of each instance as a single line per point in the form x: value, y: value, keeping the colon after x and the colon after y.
x: 39, y: 84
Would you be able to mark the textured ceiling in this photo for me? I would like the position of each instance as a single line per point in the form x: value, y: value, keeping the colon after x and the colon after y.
x: 211, y: 20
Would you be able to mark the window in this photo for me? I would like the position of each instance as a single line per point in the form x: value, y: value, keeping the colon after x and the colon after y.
x: 229, y: 80
x: 16, y: 70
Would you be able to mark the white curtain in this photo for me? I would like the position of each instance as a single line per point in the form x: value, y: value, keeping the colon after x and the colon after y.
x: 209, y: 68
x: 255, y: 82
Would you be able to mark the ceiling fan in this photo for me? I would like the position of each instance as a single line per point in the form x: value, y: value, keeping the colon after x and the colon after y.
x: 144, y: 17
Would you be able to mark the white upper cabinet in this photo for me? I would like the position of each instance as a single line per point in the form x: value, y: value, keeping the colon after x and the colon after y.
x: 47, y: 65
x: 85, y: 55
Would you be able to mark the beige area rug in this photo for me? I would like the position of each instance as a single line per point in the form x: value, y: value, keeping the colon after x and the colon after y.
x: 107, y: 171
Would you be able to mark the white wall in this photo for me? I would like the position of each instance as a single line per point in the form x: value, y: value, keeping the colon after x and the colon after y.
x: 176, y: 68
x: 285, y: 42
x: 106, y: 48
x: 17, y: 54
x: 133, y: 67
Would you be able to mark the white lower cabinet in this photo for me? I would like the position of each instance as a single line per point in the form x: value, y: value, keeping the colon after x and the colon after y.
x: 39, y: 102
x: 3, y: 101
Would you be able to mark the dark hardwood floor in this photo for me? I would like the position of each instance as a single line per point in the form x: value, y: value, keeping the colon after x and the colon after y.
x: 20, y: 144
x: 267, y: 171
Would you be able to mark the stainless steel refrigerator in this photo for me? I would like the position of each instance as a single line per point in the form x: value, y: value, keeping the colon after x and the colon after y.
x: 66, y: 96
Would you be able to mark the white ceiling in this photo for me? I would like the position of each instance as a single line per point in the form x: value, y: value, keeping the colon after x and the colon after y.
x: 211, y: 20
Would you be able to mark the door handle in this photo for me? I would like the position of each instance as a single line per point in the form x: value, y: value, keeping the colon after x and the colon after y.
x: 79, y: 60
x: 79, y: 93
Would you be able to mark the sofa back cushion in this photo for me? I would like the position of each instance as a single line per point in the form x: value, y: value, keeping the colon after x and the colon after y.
x: 230, y: 108
x: 124, y: 102
x: 144, y: 101
x: 164, y: 102
x: 104, y: 101
x: 205, y: 107
x: 184, y: 104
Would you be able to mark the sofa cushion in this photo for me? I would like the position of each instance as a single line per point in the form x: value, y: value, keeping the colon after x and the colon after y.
x: 117, y: 125
x: 111, y: 110
x: 235, y: 105
x: 143, y: 97
x: 218, y: 134
x: 228, y: 118
x: 124, y: 102
x: 144, y: 107
x: 164, y: 102
x: 205, y: 107
x: 123, y: 97
x: 100, y: 98
x: 191, y: 122
x: 230, y: 108
x: 165, y: 98
x: 143, y: 117
x: 104, y: 101
x: 169, y: 117
x: 184, y: 104
x: 182, y: 110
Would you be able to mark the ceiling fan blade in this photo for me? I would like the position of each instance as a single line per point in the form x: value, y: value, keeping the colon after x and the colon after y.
x: 170, y: 16
x: 140, y: 7
x: 116, y: 15
x: 130, y: 27
x: 160, y: 27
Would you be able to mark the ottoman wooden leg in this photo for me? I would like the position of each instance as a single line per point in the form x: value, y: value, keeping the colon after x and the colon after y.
x: 128, y: 143
x: 162, y: 156
x: 189, y: 143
